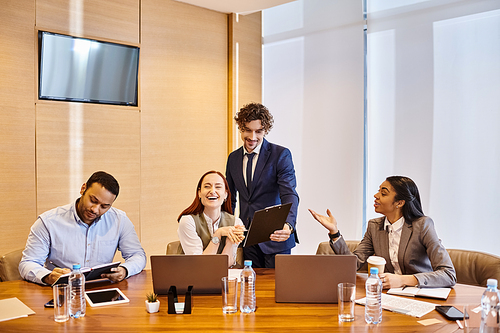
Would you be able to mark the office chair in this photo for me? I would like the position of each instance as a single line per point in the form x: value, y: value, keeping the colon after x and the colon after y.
x: 324, y: 249
x: 174, y: 248
x: 9, y: 265
x: 475, y: 268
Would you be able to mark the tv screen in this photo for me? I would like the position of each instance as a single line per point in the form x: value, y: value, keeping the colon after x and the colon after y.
x: 86, y: 70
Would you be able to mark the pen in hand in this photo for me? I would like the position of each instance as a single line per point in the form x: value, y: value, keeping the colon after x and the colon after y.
x: 52, y: 263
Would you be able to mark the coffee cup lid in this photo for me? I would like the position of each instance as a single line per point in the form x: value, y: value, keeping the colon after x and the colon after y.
x: 375, y: 260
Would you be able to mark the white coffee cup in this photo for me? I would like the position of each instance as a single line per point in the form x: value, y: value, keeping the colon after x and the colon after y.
x: 375, y: 261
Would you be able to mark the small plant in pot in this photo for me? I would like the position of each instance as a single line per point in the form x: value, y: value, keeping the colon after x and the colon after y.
x: 152, y: 303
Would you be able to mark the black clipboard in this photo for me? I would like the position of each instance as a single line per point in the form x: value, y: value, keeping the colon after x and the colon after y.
x: 265, y: 222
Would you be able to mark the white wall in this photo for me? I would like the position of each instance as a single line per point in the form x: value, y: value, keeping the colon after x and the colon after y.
x: 313, y: 85
x: 433, y: 109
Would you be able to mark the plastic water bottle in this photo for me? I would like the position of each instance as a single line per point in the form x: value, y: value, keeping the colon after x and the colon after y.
x: 247, y: 294
x: 373, y: 305
x: 490, y: 306
x: 77, y: 304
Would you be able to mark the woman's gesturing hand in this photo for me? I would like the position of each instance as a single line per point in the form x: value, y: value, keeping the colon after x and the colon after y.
x: 328, y: 222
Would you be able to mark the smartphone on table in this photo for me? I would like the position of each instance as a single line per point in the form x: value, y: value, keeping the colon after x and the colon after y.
x: 49, y: 304
x: 450, y: 312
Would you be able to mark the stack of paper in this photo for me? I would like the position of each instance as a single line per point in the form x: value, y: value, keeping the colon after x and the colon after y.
x: 234, y: 273
x: 12, y: 308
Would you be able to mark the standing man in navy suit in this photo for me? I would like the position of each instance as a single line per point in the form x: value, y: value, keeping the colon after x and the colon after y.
x: 263, y: 175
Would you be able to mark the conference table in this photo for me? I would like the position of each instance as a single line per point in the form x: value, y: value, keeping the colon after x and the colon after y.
x: 207, y: 313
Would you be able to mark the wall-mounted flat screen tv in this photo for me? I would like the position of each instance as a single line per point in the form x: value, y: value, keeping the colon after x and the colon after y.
x: 86, y: 70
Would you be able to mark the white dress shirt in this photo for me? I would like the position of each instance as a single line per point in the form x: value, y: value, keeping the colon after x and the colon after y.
x: 254, y: 160
x: 394, y: 231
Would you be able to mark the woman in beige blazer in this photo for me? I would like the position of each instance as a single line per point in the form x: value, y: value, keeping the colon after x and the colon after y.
x: 207, y: 226
x: 404, y: 237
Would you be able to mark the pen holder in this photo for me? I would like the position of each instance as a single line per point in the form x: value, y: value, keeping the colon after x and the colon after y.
x: 172, y: 300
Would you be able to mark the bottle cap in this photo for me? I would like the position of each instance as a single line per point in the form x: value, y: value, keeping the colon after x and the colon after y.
x: 374, y: 270
x: 76, y: 266
x: 248, y: 263
x: 492, y: 283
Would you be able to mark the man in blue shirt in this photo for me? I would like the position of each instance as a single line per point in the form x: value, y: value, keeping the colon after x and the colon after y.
x: 87, y: 232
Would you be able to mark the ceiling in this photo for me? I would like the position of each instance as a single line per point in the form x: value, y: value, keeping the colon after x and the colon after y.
x: 236, y: 6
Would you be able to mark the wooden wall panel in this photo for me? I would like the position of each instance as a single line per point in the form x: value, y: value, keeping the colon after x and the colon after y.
x: 184, y: 110
x: 17, y: 123
x: 245, y: 68
x: 74, y: 140
x: 157, y: 152
x: 111, y: 19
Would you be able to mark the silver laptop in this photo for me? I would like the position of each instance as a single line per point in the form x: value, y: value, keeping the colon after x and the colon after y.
x: 203, y: 272
x: 312, y: 278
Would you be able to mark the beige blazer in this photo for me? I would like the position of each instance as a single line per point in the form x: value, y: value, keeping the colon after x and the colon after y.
x: 420, y: 251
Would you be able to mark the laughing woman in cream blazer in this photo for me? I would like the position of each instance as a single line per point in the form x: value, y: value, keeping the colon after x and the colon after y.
x: 207, y: 226
x: 404, y: 236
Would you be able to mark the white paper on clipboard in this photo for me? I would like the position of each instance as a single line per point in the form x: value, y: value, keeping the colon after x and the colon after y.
x: 265, y: 222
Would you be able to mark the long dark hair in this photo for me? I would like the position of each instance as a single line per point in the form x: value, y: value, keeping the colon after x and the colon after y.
x: 407, y: 190
x: 197, y: 207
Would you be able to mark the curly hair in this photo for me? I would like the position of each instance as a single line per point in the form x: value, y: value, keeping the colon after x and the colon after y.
x: 254, y: 111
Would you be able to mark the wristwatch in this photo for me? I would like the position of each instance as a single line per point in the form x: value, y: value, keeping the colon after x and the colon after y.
x: 215, y: 240
x: 335, y: 235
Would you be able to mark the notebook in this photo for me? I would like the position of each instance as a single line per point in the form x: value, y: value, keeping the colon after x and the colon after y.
x: 441, y: 293
x: 203, y: 272
x: 312, y: 278
x: 265, y: 222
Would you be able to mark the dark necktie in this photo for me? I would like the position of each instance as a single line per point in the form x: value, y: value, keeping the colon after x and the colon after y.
x: 249, y: 171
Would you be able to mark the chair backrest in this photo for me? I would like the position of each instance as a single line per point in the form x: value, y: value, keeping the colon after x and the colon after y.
x: 9, y: 265
x: 324, y: 249
x: 472, y: 267
x: 475, y: 268
x: 176, y: 248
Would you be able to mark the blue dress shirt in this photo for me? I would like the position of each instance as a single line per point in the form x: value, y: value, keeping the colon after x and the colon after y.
x: 59, y: 238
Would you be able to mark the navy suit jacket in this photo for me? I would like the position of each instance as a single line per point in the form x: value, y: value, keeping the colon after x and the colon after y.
x: 273, y: 184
